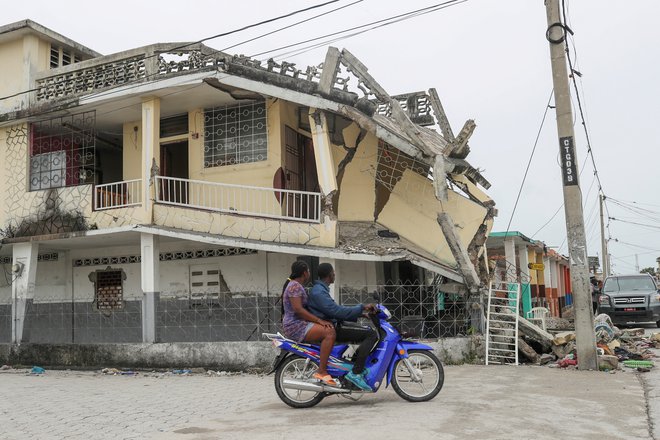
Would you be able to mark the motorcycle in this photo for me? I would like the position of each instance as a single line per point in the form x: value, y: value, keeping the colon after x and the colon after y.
x: 415, y: 373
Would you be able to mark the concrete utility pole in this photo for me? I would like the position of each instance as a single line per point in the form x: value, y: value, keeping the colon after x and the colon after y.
x: 603, y: 241
x: 577, y: 243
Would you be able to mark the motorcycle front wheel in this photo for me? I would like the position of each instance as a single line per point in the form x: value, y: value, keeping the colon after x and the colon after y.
x: 296, y: 368
x: 427, y: 381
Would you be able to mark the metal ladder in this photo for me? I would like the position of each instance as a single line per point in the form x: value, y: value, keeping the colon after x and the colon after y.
x: 502, y: 323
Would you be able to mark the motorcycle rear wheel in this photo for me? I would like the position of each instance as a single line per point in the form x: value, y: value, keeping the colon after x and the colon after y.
x: 298, y: 368
x: 433, y: 377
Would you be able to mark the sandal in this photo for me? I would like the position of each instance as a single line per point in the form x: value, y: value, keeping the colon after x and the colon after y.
x: 327, y: 379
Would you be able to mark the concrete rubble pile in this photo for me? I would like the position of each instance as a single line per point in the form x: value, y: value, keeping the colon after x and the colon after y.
x: 617, y: 348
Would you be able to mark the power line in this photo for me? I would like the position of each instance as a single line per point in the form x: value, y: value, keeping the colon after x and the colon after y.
x: 634, y: 223
x: 223, y: 34
x: 404, y: 17
x: 579, y: 101
x: 529, y: 162
x: 434, y: 8
x: 290, y: 26
x: 393, y: 19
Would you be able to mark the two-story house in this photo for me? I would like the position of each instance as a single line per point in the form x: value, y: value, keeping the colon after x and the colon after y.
x: 162, y: 193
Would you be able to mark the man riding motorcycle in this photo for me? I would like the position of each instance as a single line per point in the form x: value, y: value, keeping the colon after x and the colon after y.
x: 321, y: 304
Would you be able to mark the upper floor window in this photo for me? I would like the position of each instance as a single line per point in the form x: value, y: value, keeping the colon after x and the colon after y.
x: 235, y: 134
x: 62, y: 151
x: 62, y: 57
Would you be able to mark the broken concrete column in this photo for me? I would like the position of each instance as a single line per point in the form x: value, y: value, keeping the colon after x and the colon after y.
x: 459, y: 252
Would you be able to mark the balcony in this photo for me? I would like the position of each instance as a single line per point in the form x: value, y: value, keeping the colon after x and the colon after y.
x: 253, y: 201
x: 118, y: 195
x: 279, y: 204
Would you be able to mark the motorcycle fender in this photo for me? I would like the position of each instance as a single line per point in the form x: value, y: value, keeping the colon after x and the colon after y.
x: 401, y: 353
x: 278, y: 360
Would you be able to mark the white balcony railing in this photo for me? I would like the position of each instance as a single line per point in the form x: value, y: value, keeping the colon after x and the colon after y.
x: 239, y: 199
x: 118, y: 194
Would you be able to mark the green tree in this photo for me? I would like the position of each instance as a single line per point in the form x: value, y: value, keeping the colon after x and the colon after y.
x: 648, y: 270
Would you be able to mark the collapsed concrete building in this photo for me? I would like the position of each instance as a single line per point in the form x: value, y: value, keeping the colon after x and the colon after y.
x: 161, y: 194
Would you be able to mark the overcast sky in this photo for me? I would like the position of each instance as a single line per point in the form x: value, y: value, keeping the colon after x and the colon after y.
x: 489, y: 61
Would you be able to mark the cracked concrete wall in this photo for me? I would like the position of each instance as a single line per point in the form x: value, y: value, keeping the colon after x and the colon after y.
x: 356, y: 193
x: 48, y: 211
x: 412, y: 209
x: 312, y: 234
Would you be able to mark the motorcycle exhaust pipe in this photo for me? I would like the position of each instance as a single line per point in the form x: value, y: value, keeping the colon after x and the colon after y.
x: 308, y: 386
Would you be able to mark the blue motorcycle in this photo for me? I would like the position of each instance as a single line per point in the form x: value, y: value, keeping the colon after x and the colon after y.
x: 415, y: 372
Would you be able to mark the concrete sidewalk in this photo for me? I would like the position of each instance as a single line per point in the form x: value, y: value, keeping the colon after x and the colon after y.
x: 494, y: 402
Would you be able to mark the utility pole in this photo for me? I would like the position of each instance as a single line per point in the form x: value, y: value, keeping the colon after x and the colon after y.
x: 603, y: 241
x: 636, y: 263
x: 577, y: 243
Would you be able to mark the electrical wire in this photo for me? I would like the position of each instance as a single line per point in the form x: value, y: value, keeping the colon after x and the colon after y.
x: 529, y: 162
x: 223, y: 34
x: 125, y: 87
x: 392, y: 20
x: 634, y: 223
x: 290, y: 26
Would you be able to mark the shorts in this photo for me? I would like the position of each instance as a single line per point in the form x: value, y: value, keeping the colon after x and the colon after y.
x: 307, y: 329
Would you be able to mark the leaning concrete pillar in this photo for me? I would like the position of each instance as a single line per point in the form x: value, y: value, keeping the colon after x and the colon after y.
x: 150, y: 252
x: 24, y: 271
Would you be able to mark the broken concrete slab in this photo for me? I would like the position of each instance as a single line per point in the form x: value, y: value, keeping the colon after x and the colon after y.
x: 527, y: 350
x: 546, y: 358
x: 562, y: 350
x: 530, y: 331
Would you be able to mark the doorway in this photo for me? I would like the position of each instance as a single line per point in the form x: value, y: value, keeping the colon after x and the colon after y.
x: 174, y: 163
x: 299, y: 175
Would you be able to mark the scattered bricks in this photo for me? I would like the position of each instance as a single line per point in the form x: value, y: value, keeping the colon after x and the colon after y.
x: 607, y: 362
x: 563, y: 338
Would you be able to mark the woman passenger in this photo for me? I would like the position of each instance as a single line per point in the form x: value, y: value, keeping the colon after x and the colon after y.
x: 300, y: 325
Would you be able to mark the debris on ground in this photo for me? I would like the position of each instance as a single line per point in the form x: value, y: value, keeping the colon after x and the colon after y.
x: 617, y: 348
x: 37, y: 370
x: 5, y: 367
x: 607, y: 362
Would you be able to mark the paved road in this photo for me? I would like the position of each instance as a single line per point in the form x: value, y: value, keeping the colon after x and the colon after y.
x: 477, y: 402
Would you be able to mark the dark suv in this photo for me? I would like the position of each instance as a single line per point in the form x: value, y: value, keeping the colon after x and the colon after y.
x: 630, y: 298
